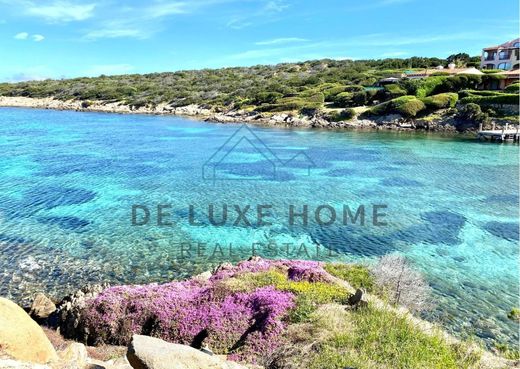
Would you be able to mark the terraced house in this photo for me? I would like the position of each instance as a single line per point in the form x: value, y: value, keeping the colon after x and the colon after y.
x: 505, y: 56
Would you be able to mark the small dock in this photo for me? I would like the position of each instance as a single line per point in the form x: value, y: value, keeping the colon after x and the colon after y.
x: 503, y: 134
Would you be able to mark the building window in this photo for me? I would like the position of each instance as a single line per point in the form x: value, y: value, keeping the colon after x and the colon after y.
x: 504, y: 55
x: 489, y: 55
x: 516, y: 66
x: 516, y: 44
x: 504, y: 66
x: 490, y: 66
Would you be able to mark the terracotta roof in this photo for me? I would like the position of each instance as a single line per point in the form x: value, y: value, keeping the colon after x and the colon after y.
x: 512, y: 73
x: 505, y: 45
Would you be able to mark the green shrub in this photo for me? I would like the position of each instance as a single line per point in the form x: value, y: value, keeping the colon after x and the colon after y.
x: 494, y: 76
x: 457, y: 83
x: 440, y: 101
x: 410, y: 85
x: 312, y: 94
x: 346, y: 114
x: 357, y: 275
x: 410, y: 108
x: 511, y: 99
x: 343, y: 99
x: 350, y: 99
x: 514, y: 314
x: 368, y: 81
x: 513, y: 88
x: 283, y: 106
x: 328, y: 86
x: 428, y: 85
x: 330, y: 93
x: 137, y: 102
x: 468, y: 93
x: 354, y: 88
x: 407, y: 106
x: 471, y: 113
x: 309, y: 111
x: 394, y: 90
x: 380, y: 109
x: 85, y: 104
x: 294, y: 103
x: 266, y: 98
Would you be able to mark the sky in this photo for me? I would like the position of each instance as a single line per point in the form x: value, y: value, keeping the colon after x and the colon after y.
x: 67, y: 38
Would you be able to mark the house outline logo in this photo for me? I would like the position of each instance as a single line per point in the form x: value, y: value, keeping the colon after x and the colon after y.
x: 244, y: 134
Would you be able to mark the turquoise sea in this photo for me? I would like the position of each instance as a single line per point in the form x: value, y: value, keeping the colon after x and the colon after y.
x: 68, y: 181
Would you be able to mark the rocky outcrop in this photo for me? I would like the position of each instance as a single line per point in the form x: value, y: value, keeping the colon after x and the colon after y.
x: 68, y: 312
x: 204, y: 276
x: 42, y: 307
x: 152, y: 353
x: 74, y: 355
x: 21, y: 338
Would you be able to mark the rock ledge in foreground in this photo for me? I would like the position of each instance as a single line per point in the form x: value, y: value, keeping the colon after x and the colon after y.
x: 153, y: 353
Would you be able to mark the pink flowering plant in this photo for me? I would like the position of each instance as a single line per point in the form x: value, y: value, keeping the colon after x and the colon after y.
x: 247, y: 324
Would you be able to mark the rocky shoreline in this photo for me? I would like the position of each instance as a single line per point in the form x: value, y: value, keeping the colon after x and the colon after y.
x: 442, y: 124
x: 126, y: 322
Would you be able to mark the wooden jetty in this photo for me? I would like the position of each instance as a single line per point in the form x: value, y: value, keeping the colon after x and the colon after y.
x: 503, y: 134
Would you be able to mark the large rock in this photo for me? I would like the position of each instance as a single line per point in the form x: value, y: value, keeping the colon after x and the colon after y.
x: 20, y: 336
x: 152, y: 353
x: 75, y: 355
x: 204, y: 276
x: 42, y: 307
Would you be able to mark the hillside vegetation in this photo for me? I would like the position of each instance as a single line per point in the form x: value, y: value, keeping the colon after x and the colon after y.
x: 330, y: 86
x: 300, y: 83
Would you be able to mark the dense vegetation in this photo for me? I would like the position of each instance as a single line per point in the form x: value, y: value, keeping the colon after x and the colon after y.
x: 330, y: 86
x: 283, y: 85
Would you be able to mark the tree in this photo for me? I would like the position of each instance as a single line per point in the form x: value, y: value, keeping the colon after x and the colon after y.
x: 460, y: 59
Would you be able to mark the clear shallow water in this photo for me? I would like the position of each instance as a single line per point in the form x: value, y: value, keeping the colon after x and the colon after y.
x: 68, y: 181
